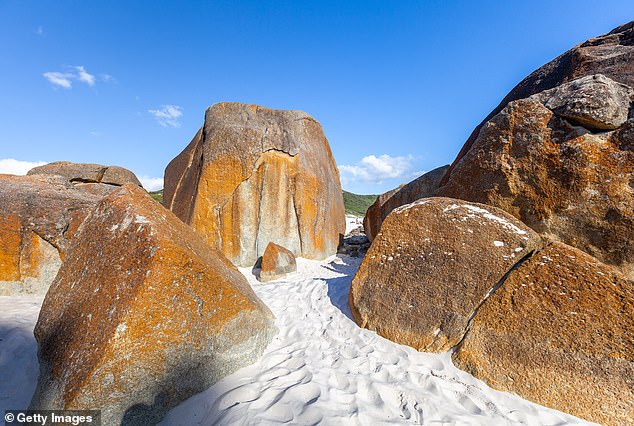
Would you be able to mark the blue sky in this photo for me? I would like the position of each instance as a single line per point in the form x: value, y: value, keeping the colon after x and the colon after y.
x: 397, y: 85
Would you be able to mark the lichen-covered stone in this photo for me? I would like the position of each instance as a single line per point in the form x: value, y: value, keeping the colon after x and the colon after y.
x: 566, y: 183
x: 142, y: 315
x: 421, y: 187
x: 431, y: 265
x: 611, y: 54
x: 277, y: 261
x: 559, y: 332
x: 253, y: 175
x: 39, y: 216
x: 88, y: 173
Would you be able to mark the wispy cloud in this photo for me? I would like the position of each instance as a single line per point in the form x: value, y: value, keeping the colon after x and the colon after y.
x: 17, y: 167
x: 151, y: 183
x: 107, y: 78
x: 73, y: 73
x: 373, y: 169
x: 168, y: 115
x: 39, y: 31
x: 60, y: 79
x: 84, y: 76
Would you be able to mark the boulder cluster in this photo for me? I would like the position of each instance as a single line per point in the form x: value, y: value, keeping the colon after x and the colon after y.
x: 143, y: 310
x: 519, y: 257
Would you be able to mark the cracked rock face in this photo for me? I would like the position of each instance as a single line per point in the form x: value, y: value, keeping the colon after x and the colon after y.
x: 142, y: 315
x: 253, y: 175
x: 430, y: 267
x: 421, y: 187
x: 558, y: 332
x: 39, y: 216
x: 563, y: 181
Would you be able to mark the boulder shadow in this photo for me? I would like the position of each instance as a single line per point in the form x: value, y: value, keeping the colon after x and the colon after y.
x: 339, y: 287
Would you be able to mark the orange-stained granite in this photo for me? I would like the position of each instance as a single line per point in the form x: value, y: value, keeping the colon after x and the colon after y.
x: 277, y: 261
x: 559, y: 332
x: 253, y: 175
x: 141, y: 309
x: 39, y: 216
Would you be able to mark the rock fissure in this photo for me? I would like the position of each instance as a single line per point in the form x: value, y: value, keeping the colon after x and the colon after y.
x: 276, y: 150
x: 495, y: 288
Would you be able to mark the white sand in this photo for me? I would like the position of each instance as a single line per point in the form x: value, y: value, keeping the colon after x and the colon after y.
x: 353, y: 222
x: 19, y: 367
x: 321, y: 368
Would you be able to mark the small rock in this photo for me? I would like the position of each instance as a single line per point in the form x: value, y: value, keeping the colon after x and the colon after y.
x: 276, y: 262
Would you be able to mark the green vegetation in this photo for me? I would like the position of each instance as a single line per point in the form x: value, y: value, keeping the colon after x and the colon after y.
x: 157, y: 195
x: 357, y: 204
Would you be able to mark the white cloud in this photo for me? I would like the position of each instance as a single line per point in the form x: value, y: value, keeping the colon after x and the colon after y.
x: 168, y: 115
x: 85, y: 76
x: 107, y: 78
x: 151, y: 183
x: 373, y: 169
x: 62, y: 79
x: 39, y: 31
x: 17, y: 167
x: 74, y: 73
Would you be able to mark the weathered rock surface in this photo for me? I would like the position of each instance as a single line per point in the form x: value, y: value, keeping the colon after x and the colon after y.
x: 253, y: 175
x: 39, y: 216
x: 565, y: 182
x: 611, y: 54
x: 595, y: 102
x: 431, y: 265
x: 88, y: 173
x: 276, y: 262
x: 421, y: 187
x: 142, y: 315
x: 559, y: 332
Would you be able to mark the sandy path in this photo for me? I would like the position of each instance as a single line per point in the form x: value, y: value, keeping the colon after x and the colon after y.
x: 322, y: 368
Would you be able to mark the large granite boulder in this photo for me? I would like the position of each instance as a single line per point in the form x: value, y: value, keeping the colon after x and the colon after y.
x: 39, y: 216
x: 430, y: 267
x: 421, y: 187
x: 94, y: 178
x: 253, y: 175
x: 611, y: 54
x: 142, y: 315
x: 277, y: 261
x: 564, y: 181
x: 559, y: 332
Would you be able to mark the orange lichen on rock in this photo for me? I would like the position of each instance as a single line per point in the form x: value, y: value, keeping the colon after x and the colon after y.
x: 431, y: 265
x: 565, y: 182
x: 559, y: 332
x: 277, y: 261
x: 38, y: 219
x: 142, y: 315
x: 10, y: 241
x: 253, y: 175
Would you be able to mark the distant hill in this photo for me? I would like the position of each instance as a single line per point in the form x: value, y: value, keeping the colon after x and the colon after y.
x: 355, y: 204
x: 157, y: 195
